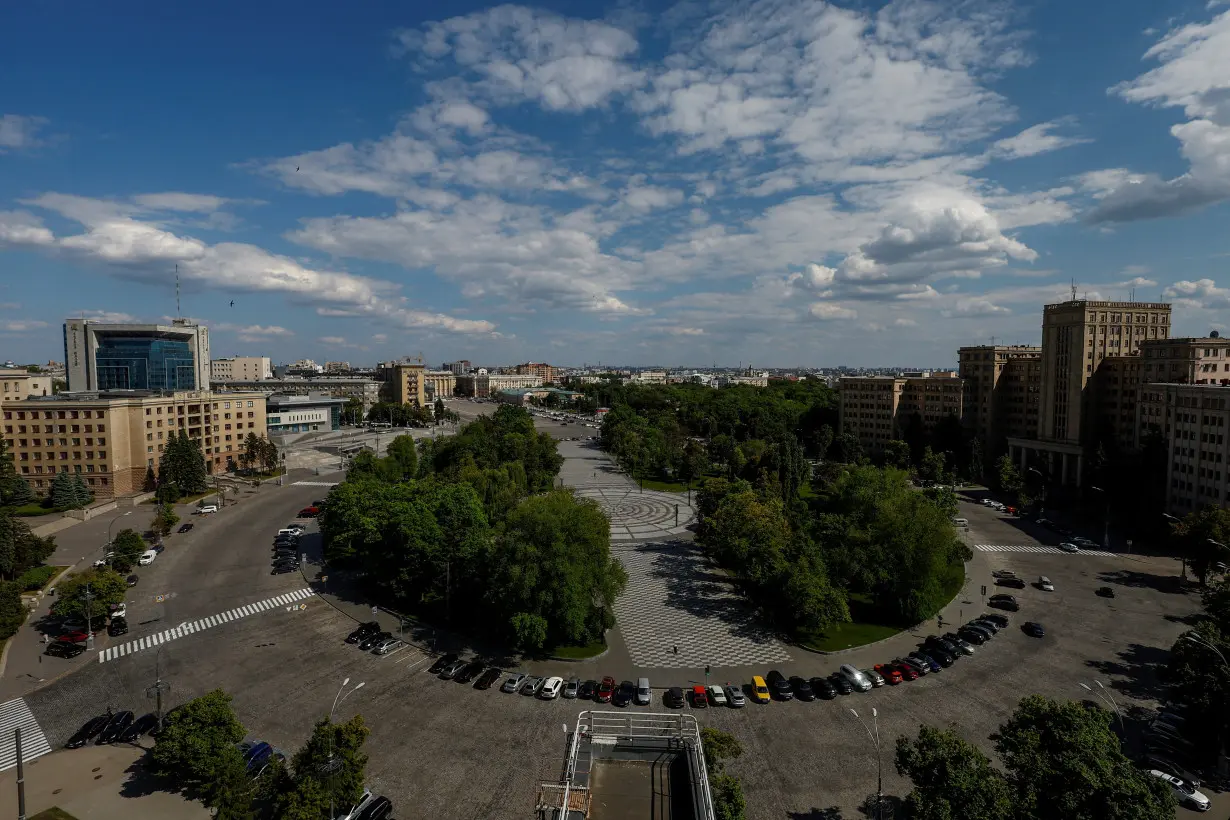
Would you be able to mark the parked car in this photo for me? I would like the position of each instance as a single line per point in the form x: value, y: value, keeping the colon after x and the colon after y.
x: 1015, y: 583
x: 606, y: 690
x: 1034, y: 629
x: 875, y: 677
x: 75, y: 636
x: 386, y: 646
x: 974, y: 636
x: 856, y: 677
x: 372, y: 641
x: 1184, y: 792
x: 700, y: 699
x: 978, y: 628
x: 572, y: 688
x: 364, y: 801
x: 308, y: 512
x: 88, y: 731
x: 1105, y: 592
x: 822, y: 688
x: 139, y: 727
x: 453, y: 670
x: 63, y: 649
x: 801, y: 688
x: 1007, y: 602
x: 117, y: 627
x: 735, y: 696
x: 514, y: 682
x: 1003, y: 573
x: 624, y: 694
x: 717, y: 696
x: 381, y: 808
x: 920, y: 668
x: 551, y: 688
x: 1085, y: 543
x: 908, y: 672
x: 131, y: 580
x: 470, y: 671
x: 924, y: 660
x: 673, y: 697
x: 1045, y: 584
x: 147, y: 557
x: 184, y: 528
x: 1068, y: 546
x: 283, y: 569
x: 486, y: 679
x: 643, y: 692
x: 532, y: 684
x: 257, y: 756
x: 963, y: 646
x: 995, y: 618
x: 760, y: 690
x: 115, y: 727
x: 779, y: 685
x: 888, y: 673
x: 983, y: 621
x: 841, y: 683
x: 588, y: 690
x: 441, y: 662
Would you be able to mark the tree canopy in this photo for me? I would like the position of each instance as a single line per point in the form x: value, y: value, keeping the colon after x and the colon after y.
x: 105, y: 585
x: 197, y: 743
x: 126, y: 548
x: 20, y: 549
x: 182, y: 465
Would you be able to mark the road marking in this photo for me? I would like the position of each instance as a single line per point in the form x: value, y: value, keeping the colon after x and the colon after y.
x: 201, y: 624
x: 1036, y: 548
x: 313, y: 483
x: 15, y: 714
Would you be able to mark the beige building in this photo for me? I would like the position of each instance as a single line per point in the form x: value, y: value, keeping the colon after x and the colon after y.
x: 404, y: 383
x: 1187, y: 360
x: 542, y: 370
x: 111, y: 438
x: 241, y: 369
x: 1114, y: 391
x: 649, y: 377
x: 1194, y: 421
x: 1002, y: 386
x: 876, y: 409
x: 17, y: 384
x: 1076, y: 337
x: 439, y: 384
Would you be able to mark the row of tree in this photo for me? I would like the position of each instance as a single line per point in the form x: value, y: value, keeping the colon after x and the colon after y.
x: 401, y: 415
x: 259, y: 453
x: 198, y: 752
x: 468, y: 529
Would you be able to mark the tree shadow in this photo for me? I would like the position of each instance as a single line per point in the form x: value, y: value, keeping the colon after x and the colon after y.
x: 142, y: 781
x: 1136, y: 673
x: 831, y: 813
x: 1171, y: 584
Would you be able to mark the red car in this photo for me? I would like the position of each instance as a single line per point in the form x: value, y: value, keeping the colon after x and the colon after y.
x: 309, y: 512
x: 906, y: 671
x: 76, y: 636
x: 699, y: 698
x: 606, y: 690
x: 891, y: 674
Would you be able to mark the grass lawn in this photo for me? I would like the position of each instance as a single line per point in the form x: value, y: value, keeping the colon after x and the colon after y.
x: 578, y: 653
x: 53, y: 813
x: 31, y: 510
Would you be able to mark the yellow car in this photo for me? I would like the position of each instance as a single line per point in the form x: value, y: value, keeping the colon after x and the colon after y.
x: 760, y: 692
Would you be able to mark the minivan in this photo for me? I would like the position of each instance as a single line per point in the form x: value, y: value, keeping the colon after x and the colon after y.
x: 1045, y: 584
x: 963, y: 523
x: 856, y: 677
x: 642, y: 692
x: 760, y: 690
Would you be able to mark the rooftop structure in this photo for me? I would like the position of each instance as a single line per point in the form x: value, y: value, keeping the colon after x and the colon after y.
x: 104, y: 356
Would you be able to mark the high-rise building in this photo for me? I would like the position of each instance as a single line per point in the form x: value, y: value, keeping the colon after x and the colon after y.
x: 403, y: 383
x: 877, y: 409
x: 1194, y: 423
x: 104, y: 356
x: 542, y: 370
x: 1002, y: 384
x: 1187, y: 360
x: 241, y: 369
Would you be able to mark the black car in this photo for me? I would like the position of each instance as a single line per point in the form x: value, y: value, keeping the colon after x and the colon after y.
x: 487, y: 678
x: 362, y: 631
x: 441, y: 662
x: 88, y: 732
x: 1015, y: 583
x: 1033, y: 629
x: 976, y: 638
x: 1106, y: 592
x: 282, y: 569
x: 802, y: 689
x: 185, y: 527
x: 624, y: 694
x: 941, y: 656
x: 378, y: 809
x: 1004, y: 602
x: 118, y: 626
x: 139, y: 727
x: 779, y: 687
x: 941, y: 645
x: 996, y: 618
x: 63, y: 649
x: 132, y: 580
x: 840, y: 683
x: 470, y: 671
x: 588, y: 689
x: 115, y: 727
x: 371, y: 641
x: 674, y: 697
x: 823, y: 687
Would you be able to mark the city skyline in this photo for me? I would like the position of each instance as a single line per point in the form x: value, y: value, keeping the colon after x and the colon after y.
x: 786, y: 184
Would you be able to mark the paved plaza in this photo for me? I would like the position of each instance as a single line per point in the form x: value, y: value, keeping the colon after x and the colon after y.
x: 637, y: 515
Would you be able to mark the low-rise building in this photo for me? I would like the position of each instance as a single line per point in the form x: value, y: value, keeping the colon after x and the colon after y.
x: 303, y: 414
x: 522, y: 395
x: 1194, y: 423
x: 240, y: 369
x: 649, y: 377
x: 337, y: 367
x: 439, y: 384
x: 19, y: 383
x: 112, y: 437
x: 361, y: 389
x: 484, y: 385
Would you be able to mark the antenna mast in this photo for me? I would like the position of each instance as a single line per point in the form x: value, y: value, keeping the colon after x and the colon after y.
x: 178, y: 313
x: 1073, y: 290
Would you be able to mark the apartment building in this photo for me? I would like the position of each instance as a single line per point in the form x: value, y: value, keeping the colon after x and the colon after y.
x: 241, y: 369
x: 542, y: 370
x: 337, y: 367
x: 1194, y: 422
x: 1187, y: 360
x: 458, y: 368
x: 1002, y: 389
x: 110, y: 438
x: 649, y: 377
x: 876, y: 409
x: 404, y: 383
x: 18, y: 383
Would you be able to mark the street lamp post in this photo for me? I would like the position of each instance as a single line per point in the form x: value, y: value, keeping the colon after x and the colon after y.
x: 331, y: 765
x: 875, y: 741
x: 1105, y: 518
x: 1174, y: 522
x: 1105, y: 696
x: 89, y: 616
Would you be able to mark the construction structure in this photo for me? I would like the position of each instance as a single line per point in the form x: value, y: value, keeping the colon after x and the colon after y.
x: 621, y: 766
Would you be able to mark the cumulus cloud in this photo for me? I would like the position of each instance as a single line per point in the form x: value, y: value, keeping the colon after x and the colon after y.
x: 975, y: 307
x: 179, y: 201
x: 1201, y: 294
x: 826, y: 311
x: 20, y: 325
x: 109, y: 317
x: 19, y: 132
x: 255, y: 331
x: 1193, y: 74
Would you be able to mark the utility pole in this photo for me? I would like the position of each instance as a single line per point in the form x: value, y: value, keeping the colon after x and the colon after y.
x: 158, y: 688
x: 21, y: 777
x: 89, y: 616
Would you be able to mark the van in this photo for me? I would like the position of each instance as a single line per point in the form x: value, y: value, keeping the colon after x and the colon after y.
x: 1045, y: 584
x: 642, y: 692
x: 962, y: 523
x: 856, y: 677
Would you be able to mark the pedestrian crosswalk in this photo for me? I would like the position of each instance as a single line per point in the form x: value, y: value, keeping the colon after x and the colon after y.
x: 313, y: 483
x: 15, y: 714
x: 150, y: 641
x: 1037, y: 548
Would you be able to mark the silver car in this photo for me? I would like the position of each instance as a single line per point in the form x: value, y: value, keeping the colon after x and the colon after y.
x: 735, y: 696
x: 875, y: 677
x: 514, y: 682
x: 571, y: 688
x: 386, y: 646
x: 532, y: 684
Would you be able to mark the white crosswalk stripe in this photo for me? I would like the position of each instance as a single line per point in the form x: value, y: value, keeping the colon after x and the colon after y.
x: 1037, y: 548
x: 183, y: 630
x: 313, y: 483
x: 15, y: 714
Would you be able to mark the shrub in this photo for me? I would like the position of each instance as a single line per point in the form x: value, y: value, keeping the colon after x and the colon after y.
x: 36, y: 578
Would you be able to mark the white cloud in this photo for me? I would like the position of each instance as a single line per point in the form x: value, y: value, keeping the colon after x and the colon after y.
x: 110, y: 317
x: 18, y: 132
x: 1201, y: 294
x: 1194, y: 74
x: 267, y: 331
x: 976, y: 307
x: 685, y: 331
x: 829, y: 310
x: 511, y: 54
x: 903, y: 322
x: 178, y: 201
x: 20, y: 325
x: 1037, y: 139
x: 646, y: 198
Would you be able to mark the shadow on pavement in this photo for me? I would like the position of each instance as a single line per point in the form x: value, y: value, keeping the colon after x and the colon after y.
x: 1144, y: 580
x: 1136, y: 671
x: 142, y: 781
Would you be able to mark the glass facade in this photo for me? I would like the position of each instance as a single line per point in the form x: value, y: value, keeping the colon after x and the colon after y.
x: 144, y: 363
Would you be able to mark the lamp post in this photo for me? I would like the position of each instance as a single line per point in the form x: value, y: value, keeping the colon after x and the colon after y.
x: 332, y: 765
x: 1105, y: 518
x: 875, y: 741
x: 1175, y: 522
x: 89, y: 616
x: 1105, y: 696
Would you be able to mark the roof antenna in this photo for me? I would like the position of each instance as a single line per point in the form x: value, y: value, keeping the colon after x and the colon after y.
x: 1073, y: 290
x: 179, y: 314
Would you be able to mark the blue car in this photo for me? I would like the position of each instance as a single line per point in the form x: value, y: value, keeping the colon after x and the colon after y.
x: 257, y: 757
x: 1034, y: 629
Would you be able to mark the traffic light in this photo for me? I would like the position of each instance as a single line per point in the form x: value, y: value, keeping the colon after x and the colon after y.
x: 706, y: 670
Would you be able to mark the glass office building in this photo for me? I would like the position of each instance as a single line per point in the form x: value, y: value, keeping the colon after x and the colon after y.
x: 144, y: 362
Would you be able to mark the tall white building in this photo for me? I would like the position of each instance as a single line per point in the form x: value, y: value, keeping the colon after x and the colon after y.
x: 241, y: 368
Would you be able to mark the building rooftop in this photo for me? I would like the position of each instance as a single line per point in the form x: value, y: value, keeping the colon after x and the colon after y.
x: 522, y: 391
x: 284, y: 400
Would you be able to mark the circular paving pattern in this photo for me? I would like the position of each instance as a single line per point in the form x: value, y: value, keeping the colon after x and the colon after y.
x: 640, y: 516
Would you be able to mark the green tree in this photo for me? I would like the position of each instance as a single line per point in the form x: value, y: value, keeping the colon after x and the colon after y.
x: 849, y: 449
x: 81, y: 491
x: 1199, y: 536
x: 183, y: 464
x: 933, y: 467
x: 529, y: 631
x: 268, y: 454
x: 105, y: 584
x: 897, y: 454
x: 331, y: 764
x: 953, y: 779
x: 13, y: 610
x: 150, y: 484
x: 231, y: 792
x: 63, y: 493
x: 824, y: 440
x: 164, y: 520
x: 695, y: 462
x: 728, y: 800
x: 126, y: 548
x: 719, y: 747
x: 1007, y: 477
x: 20, y: 549
x: 1196, y: 677
x: 197, y: 744
x: 1063, y: 760
x: 402, y: 461
x: 250, y: 457
x: 438, y: 411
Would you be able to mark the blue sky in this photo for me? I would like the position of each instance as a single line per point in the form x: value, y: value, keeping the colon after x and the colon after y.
x: 775, y: 182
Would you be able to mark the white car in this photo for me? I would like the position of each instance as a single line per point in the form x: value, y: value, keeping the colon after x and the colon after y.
x: 1068, y: 546
x: 717, y: 696
x: 119, y: 611
x: 207, y: 509
x: 147, y: 557
x: 550, y: 689
x: 1045, y: 584
x: 1184, y: 792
